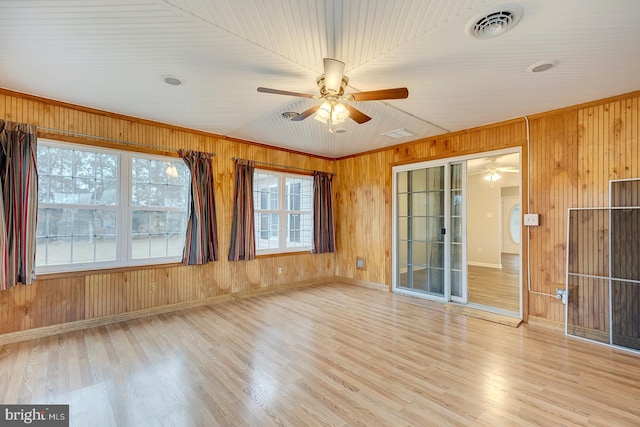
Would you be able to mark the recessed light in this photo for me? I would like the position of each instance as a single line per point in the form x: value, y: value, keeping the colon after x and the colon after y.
x: 290, y: 115
x: 541, y: 66
x: 172, y: 80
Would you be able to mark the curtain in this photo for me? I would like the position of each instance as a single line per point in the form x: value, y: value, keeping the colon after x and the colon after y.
x: 243, y: 243
x: 201, y: 243
x: 19, y: 202
x: 324, y: 238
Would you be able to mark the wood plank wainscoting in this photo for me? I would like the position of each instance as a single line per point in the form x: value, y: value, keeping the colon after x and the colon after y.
x: 73, y: 300
x: 571, y: 156
x: 329, y: 354
x: 574, y: 153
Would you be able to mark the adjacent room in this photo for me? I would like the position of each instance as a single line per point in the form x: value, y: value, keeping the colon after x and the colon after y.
x: 330, y: 212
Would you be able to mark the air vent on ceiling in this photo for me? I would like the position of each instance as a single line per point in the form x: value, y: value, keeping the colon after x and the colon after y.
x: 495, y: 23
x: 290, y: 115
x: 398, y: 133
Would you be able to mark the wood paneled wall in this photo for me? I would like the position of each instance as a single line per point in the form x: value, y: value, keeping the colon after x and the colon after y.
x: 363, y: 194
x: 574, y: 152
x: 58, y: 299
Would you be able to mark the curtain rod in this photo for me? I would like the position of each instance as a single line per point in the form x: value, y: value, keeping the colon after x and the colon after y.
x: 275, y: 165
x: 120, y: 141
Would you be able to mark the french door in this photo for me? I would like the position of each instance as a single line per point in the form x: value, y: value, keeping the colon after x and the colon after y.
x: 428, y: 232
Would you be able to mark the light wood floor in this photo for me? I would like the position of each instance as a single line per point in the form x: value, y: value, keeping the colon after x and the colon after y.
x: 496, y: 287
x: 323, y: 355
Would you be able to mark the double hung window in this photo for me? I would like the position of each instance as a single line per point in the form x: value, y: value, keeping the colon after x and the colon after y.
x: 283, y: 211
x: 102, y: 208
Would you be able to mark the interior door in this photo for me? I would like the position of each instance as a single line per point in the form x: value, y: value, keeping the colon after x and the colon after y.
x: 457, y: 240
x: 421, y: 232
x: 430, y: 259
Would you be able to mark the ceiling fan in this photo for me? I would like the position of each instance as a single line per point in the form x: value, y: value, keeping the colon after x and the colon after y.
x: 335, y: 108
x: 493, y: 172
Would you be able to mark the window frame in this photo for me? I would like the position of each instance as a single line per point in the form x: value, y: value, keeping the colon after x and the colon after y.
x: 282, y: 212
x: 123, y: 208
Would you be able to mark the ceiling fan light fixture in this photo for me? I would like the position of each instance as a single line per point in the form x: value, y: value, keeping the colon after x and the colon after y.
x: 339, y: 113
x: 492, y: 176
x: 334, y: 111
x: 324, y: 112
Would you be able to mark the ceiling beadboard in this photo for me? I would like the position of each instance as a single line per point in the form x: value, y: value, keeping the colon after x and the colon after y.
x: 114, y: 55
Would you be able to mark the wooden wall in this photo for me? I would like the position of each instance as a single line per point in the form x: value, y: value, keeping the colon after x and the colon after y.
x: 61, y: 298
x: 363, y: 194
x: 574, y: 152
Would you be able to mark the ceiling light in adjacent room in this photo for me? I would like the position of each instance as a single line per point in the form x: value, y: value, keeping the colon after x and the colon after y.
x: 492, y: 176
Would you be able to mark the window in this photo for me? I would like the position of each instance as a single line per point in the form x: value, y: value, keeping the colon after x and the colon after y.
x: 100, y: 208
x: 283, y: 211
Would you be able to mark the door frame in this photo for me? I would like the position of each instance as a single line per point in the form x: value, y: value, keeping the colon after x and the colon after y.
x: 447, y: 161
x: 394, y: 204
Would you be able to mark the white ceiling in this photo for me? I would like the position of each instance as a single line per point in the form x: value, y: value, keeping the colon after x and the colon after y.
x: 113, y: 55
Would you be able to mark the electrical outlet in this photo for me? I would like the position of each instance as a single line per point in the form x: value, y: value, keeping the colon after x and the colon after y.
x: 360, y: 264
x: 153, y: 287
x: 280, y: 270
x: 562, y: 294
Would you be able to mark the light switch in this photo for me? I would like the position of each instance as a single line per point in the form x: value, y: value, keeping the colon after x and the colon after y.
x: 531, y: 220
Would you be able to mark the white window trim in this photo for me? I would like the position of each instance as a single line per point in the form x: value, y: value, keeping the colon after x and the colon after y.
x: 282, y: 214
x: 124, y: 214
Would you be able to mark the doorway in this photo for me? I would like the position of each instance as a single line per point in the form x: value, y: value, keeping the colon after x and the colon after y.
x: 450, y: 239
x: 494, y: 233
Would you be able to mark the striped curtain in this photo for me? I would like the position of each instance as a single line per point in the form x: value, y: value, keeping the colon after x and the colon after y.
x: 201, y: 243
x: 324, y: 237
x: 243, y: 239
x: 19, y: 201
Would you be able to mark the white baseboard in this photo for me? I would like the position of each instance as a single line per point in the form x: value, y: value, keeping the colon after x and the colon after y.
x: 484, y: 264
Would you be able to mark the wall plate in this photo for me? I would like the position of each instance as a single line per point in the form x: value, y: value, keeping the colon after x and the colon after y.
x: 531, y: 220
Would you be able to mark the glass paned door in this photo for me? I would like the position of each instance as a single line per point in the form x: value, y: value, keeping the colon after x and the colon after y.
x: 421, y: 231
x: 430, y: 254
x: 456, y: 225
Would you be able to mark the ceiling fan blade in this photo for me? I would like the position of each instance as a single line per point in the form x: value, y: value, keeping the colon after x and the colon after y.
x: 284, y: 92
x: 333, y: 71
x: 508, y: 169
x: 356, y: 115
x: 374, y: 95
x: 306, y: 113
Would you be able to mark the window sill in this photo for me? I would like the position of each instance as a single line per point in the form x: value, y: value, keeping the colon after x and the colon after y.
x: 280, y: 254
x: 108, y: 270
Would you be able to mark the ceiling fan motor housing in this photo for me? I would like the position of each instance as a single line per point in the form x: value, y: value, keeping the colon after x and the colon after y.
x: 326, y: 93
